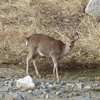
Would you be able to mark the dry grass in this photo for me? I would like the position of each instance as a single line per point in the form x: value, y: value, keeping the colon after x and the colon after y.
x: 21, y: 18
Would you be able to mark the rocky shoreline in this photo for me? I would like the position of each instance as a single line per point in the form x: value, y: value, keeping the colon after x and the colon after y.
x: 48, y: 90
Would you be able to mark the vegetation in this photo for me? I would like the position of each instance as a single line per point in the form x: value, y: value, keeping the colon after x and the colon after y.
x: 56, y: 18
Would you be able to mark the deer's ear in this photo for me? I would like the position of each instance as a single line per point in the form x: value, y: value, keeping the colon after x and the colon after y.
x: 76, y: 37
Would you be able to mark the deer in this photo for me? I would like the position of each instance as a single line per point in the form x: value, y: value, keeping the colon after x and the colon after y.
x: 43, y: 45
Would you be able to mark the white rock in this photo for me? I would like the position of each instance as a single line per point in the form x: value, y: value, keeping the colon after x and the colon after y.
x: 87, y: 87
x: 26, y: 83
x: 70, y: 84
x: 50, y: 85
x: 93, y: 8
x: 80, y: 85
x: 47, y: 96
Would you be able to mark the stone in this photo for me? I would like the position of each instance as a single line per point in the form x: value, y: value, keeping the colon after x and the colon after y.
x: 10, y: 83
x: 7, y: 89
x: 70, y: 95
x: 47, y: 90
x: 87, y: 87
x: 2, y: 95
x: 93, y: 8
x: 63, y: 99
x: 85, y: 99
x: 6, y: 82
x: 30, y: 92
x: 70, y: 84
x: 8, y: 97
x: 17, y: 97
x: 1, y: 85
x: 47, y: 96
x: 38, y: 92
x: 80, y: 85
x: 96, y: 85
x: 58, y: 93
x: 50, y: 85
x: 63, y: 83
x: 67, y: 96
x: 13, y: 96
x: 9, y: 78
x: 13, y: 91
x: 37, y: 83
x: 26, y: 83
x: 76, y: 94
x: 43, y: 85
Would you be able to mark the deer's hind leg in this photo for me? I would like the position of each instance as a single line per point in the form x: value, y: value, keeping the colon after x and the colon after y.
x: 35, y: 58
x: 31, y: 55
x: 27, y: 60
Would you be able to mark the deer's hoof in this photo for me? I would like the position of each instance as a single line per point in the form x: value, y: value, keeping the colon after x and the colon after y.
x: 39, y: 76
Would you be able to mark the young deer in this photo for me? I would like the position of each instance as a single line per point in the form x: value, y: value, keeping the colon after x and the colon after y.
x: 39, y: 44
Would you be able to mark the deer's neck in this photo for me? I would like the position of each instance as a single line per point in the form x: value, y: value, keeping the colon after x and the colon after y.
x: 67, y: 49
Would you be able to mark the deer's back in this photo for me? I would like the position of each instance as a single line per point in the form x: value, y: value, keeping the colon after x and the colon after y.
x: 45, y: 44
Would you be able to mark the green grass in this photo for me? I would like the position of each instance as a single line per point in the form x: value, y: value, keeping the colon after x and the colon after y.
x: 95, y: 90
x: 85, y: 74
x: 57, y: 83
x: 54, y: 88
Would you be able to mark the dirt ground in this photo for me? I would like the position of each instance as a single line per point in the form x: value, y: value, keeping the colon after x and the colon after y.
x: 69, y: 70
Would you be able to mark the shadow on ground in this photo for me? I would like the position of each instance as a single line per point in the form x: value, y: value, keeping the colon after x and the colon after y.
x: 72, y: 67
x: 86, y: 69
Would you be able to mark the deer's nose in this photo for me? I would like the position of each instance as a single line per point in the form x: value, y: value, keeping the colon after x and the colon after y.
x: 70, y: 46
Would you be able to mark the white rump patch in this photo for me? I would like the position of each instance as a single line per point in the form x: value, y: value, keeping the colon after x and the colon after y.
x: 26, y: 42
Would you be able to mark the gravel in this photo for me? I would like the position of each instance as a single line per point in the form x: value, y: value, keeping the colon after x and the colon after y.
x: 48, y: 90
